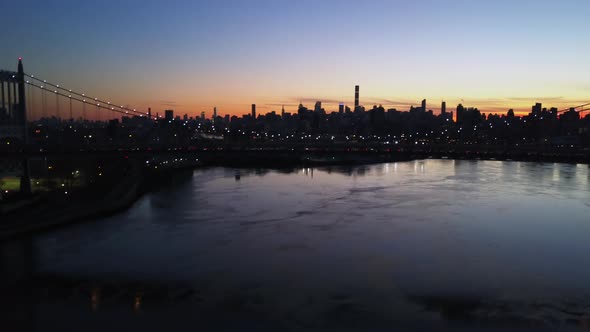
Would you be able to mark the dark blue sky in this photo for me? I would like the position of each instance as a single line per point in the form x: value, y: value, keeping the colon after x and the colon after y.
x: 199, y: 54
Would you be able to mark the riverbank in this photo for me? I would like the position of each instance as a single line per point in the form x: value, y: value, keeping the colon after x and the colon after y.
x: 281, y: 158
x: 57, y: 209
x: 43, y: 212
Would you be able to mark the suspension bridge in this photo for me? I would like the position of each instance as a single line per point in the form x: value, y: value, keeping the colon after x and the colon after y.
x: 25, y: 97
x: 19, y: 104
x: 27, y: 100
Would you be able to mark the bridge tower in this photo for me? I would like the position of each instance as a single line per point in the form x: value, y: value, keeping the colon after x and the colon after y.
x: 13, y: 109
x: 13, y: 123
x: 22, y: 107
x: 25, y: 180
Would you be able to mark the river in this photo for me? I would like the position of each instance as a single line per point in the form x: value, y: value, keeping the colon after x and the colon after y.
x: 436, y: 243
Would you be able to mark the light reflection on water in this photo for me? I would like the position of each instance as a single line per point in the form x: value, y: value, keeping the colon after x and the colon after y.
x: 502, y: 231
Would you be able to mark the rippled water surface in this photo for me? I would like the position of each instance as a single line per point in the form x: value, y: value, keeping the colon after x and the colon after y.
x: 343, y: 247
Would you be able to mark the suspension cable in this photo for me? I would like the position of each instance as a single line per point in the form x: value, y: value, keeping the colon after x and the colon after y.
x: 83, y: 100
x: 69, y: 92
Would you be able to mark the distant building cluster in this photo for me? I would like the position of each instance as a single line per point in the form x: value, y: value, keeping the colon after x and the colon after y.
x: 418, y: 125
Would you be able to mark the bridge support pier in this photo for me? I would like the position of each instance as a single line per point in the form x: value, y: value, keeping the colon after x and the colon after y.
x: 22, y: 107
x: 3, y: 105
x: 25, y: 179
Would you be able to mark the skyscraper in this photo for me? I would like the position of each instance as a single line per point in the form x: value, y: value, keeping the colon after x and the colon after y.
x: 341, y: 108
x: 254, y: 111
x: 536, y: 110
x: 283, y: 112
x: 356, y: 96
x: 214, y: 112
x: 169, y: 115
x: 460, y: 113
x: 443, y: 108
x: 424, y: 105
x: 318, y: 106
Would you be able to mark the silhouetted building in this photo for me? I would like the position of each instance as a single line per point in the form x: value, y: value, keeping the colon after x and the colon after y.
x: 468, y: 116
x: 341, y: 108
x: 254, y: 111
x: 302, y: 110
x: 169, y: 115
x: 356, y: 97
x: 423, y: 105
x: 537, y: 108
x: 318, y: 107
x: 460, y: 111
x: 443, y: 108
x: 571, y: 115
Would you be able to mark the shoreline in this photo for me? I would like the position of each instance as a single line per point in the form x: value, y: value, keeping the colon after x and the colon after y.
x: 31, y: 218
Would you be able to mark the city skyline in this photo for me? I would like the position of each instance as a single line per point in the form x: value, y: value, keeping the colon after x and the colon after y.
x: 233, y: 55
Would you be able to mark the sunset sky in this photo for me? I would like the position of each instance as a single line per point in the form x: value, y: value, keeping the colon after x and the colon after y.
x: 193, y: 55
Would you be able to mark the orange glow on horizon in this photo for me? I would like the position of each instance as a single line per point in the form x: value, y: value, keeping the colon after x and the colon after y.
x: 521, y: 108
